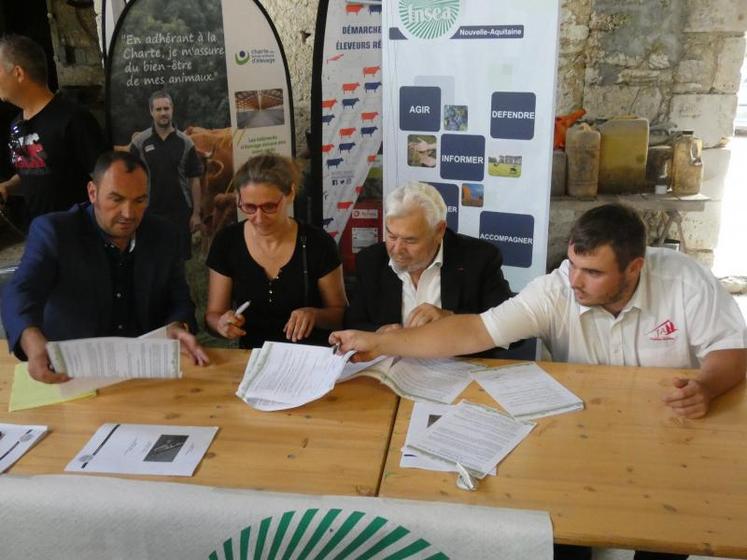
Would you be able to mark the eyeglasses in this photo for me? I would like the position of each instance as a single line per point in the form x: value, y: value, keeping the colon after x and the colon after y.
x: 267, y: 207
x: 16, y: 143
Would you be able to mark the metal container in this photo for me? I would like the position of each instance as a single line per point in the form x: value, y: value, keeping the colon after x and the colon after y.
x: 582, y: 148
x: 623, y: 154
x: 687, y: 165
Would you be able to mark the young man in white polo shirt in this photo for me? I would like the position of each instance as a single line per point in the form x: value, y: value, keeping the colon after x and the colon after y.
x: 613, y: 301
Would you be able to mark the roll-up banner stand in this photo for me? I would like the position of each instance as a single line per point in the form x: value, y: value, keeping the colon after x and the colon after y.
x: 469, y: 89
x: 346, y: 99
x: 111, y: 10
x: 224, y: 67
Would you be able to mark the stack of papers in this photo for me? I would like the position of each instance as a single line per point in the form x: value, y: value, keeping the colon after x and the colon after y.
x: 423, y: 416
x: 144, y: 449
x: 116, y: 357
x: 282, y: 375
x: 475, y: 436
x: 15, y: 440
x: 526, y: 391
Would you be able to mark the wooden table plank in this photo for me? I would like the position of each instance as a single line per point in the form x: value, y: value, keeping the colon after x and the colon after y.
x: 625, y: 472
x: 335, y: 445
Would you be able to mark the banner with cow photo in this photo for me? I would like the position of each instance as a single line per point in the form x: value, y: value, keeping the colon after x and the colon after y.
x: 224, y: 67
x: 469, y: 90
x: 346, y: 112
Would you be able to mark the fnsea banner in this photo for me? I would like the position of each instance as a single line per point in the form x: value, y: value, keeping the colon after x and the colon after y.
x: 346, y: 103
x: 469, y: 90
x: 224, y: 67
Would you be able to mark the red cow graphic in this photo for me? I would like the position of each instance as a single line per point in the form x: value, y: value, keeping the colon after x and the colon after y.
x: 326, y: 148
x: 328, y: 103
x: 370, y: 70
x: 369, y: 116
x: 353, y: 8
x: 350, y: 87
x: 346, y: 132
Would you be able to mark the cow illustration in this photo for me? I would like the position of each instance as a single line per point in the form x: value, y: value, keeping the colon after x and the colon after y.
x: 372, y: 86
x: 346, y: 132
x: 353, y: 8
x: 334, y: 162
x: 349, y: 102
x: 350, y: 87
x: 346, y: 147
x: 369, y: 116
x: 329, y: 103
x: 326, y: 148
x: 370, y: 70
x: 374, y: 8
x: 326, y: 119
x: 368, y: 130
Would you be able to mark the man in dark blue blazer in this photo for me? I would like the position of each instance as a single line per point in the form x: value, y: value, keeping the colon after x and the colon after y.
x: 99, y: 269
x: 423, y: 271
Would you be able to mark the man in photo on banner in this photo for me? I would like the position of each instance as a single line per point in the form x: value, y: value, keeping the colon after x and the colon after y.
x: 175, y: 170
x: 423, y: 271
x: 102, y: 268
x: 54, y: 142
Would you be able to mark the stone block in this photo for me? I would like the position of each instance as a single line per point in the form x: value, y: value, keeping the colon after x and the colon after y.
x: 711, y: 116
x: 701, y: 229
x: 609, y: 101
x: 694, y: 76
x: 715, y: 167
x: 729, y: 63
x: 716, y: 15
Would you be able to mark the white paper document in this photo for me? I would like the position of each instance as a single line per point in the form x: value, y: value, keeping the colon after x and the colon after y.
x: 430, y: 380
x: 527, y: 391
x: 15, y: 440
x: 475, y: 436
x: 424, y: 414
x: 281, y: 375
x: 144, y: 449
x: 116, y: 357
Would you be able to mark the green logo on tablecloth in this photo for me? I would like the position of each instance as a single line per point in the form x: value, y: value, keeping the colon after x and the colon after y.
x: 428, y: 19
x: 300, y: 535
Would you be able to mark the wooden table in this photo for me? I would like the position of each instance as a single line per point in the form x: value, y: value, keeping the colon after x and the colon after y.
x: 335, y: 445
x: 625, y: 472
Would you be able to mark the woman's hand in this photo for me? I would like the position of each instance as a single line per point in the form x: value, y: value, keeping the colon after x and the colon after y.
x: 229, y: 325
x: 300, y: 324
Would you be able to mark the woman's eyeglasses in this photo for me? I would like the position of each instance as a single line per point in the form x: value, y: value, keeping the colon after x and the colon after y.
x: 267, y: 207
x: 16, y: 143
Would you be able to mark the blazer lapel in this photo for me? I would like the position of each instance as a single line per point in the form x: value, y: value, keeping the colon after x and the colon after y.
x: 97, y: 269
x: 451, y: 273
x: 390, y: 304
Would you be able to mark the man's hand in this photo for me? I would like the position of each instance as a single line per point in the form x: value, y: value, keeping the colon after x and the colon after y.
x: 300, y: 324
x: 229, y: 325
x: 363, y: 343
x: 689, y: 398
x: 188, y: 344
x: 389, y: 327
x: 425, y: 313
x: 34, y: 344
x: 195, y: 223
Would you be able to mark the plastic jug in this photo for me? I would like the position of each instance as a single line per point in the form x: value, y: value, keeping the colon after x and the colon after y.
x: 622, y: 156
x: 687, y: 165
x: 582, y: 148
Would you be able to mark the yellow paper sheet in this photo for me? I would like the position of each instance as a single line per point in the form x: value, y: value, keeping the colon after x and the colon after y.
x: 28, y: 393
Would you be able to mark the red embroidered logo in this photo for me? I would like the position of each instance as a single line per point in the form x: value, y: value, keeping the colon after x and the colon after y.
x: 663, y: 331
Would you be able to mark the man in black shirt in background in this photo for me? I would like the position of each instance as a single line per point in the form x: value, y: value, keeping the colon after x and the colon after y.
x: 54, y: 143
x: 175, y: 169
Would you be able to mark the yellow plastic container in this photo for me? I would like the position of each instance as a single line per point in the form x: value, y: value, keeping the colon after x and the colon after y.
x: 687, y: 165
x: 582, y: 148
x: 622, y: 156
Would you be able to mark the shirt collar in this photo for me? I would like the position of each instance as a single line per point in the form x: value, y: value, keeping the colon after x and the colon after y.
x: 104, y: 236
x: 437, y: 261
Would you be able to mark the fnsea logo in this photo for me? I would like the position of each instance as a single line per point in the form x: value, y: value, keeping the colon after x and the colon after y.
x: 428, y: 19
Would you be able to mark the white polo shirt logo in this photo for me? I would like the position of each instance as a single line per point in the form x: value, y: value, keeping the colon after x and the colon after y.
x: 663, y: 331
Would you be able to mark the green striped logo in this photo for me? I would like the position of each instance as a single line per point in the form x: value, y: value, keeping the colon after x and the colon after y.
x: 428, y: 19
x: 333, y: 535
